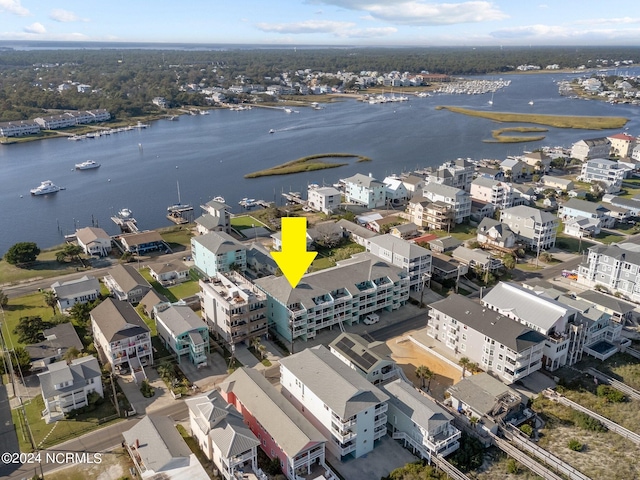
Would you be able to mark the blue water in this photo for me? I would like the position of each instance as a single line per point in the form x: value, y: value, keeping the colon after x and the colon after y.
x: 209, y: 154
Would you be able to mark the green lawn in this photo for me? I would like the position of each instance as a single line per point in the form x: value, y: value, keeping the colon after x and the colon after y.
x: 176, y: 292
x: 243, y: 222
x: 530, y: 267
x: 178, y: 236
x: 46, y: 266
x: 64, y: 429
x: 327, y: 257
x: 461, y: 232
x: 25, y: 306
x: 609, y: 237
x: 571, y: 244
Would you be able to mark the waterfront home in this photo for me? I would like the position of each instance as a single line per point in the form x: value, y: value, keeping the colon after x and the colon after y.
x: 526, y: 192
x: 557, y: 183
x: 345, y: 294
x: 159, y: 451
x: 18, y: 128
x: 323, y: 199
x: 218, y: 252
x: 234, y: 308
x: 412, y: 258
x: 372, y: 360
x: 413, y: 184
x: 341, y: 403
x: 360, y: 235
x: 216, y: 217
x: 484, y: 397
x: 396, y: 193
x: 140, y: 243
x: 94, y: 241
x: 57, y: 340
x: 260, y: 261
x: 151, y: 301
x: 622, y: 144
x: 497, y: 343
x: 66, y: 387
x: 499, y: 194
x: 170, y: 273
x: 82, y: 290
x: 489, y: 173
x: 456, y: 198
x: 574, y: 209
x: 591, y: 148
x: 285, y: 433
x: 456, y: 173
x: 365, y: 190
x: 539, y: 160
x: 492, y: 233
x: 419, y: 422
x: 120, y: 335
x: 326, y: 233
x: 183, y: 333
x: 222, y: 435
x: 534, y: 228
x: 514, y: 169
x: 126, y: 284
x: 607, y: 173
x: 631, y: 205
x: 620, y: 311
x: 383, y: 225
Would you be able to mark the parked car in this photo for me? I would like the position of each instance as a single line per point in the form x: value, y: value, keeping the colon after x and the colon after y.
x: 371, y: 318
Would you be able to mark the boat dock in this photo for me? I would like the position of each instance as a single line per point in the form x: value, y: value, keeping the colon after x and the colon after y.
x: 180, y: 215
x: 125, y: 221
x: 294, y: 198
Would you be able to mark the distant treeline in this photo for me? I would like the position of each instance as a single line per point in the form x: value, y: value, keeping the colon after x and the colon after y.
x: 128, y: 79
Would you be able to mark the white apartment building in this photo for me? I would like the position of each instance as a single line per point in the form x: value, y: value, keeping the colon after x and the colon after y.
x: 234, y: 308
x: 495, y: 192
x: 336, y: 399
x: 19, y: 128
x: 591, y: 148
x: 456, y: 173
x: 535, y: 228
x: 497, y: 343
x: 396, y: 192
x: 323, y: 199
x: 412, y: 258
x: 536, y: 310
x: 343, y: 294
x: 457, y: 199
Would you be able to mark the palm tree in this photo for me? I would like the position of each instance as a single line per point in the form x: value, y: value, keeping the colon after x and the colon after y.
x: 4, y: 299
x: 474, y: 367
x: 263, y: 351
x: 509, y: 261
x: 50, y: 299
x: 423, y: 372
x: 166, y: 370
x: 255, y: 343
x: 464, y: 362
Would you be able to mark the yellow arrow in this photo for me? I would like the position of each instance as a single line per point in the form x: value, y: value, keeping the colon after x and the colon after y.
x: 294, y: 259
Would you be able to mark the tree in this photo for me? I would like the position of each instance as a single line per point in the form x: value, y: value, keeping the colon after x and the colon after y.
x: 29, y: 329
x: 22, y: 253
x: 71, y: 354
x: 167, y: 371
x: 464, y: 362
x: 4, y: 299
x: 81, y: 313
x: 20, y: 360
x: 509, y: 261
x: 50, y: 299
x: 424, y: 373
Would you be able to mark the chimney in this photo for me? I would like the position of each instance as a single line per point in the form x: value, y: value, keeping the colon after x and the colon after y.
x: 137, y: 444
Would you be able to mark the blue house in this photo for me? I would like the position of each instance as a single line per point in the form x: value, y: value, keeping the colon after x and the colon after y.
x: 184, y: 333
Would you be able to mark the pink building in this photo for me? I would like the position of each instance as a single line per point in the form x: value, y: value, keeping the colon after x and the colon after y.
x: 282, y: 431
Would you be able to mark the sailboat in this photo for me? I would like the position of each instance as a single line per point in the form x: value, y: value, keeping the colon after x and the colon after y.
x: 179, y: 207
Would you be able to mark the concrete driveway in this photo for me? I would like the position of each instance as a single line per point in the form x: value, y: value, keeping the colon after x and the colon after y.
x: 206, y: 378
x: 143, y: 405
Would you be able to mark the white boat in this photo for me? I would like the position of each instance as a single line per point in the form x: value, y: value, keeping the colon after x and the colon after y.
x: 89, y: 164
x: 490, y: 102
x: 531, y: 102
x: 179, y: 207
x: 272, y: 131
x: 45, y: 188
x: 204, y: 112
x: 75, y: 137
x: 247, y: 202
x: 219, y: 199
x: 124, y: 213
x: 288, y: 110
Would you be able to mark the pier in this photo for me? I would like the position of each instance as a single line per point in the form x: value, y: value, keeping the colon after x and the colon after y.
x: 125, y: 221
x: 294, y: 198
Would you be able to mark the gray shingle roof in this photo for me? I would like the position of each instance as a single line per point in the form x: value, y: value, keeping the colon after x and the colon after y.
x: 446, y: 243
x: 74, y: 288
x: 78, y: 372
x: 61, y: 337
x: 400, y: 246
x: 219, y: 242
x: 364, y: 180
x: 356, y: 229
x: 502, y: 329
x: 336, y: 384
x: 91, y: 234
x: 117, y: 320
x: 208, y: 221
x: 168, y: 267
x: 423, y: 411
x: 180, y: 319
x: 607, y: 301
x: 539, y: 216
x: 584, y: 206
x: 288, y: 427
x: 480, y: 391
x: 444, y: 190
x: 486, y: 182
x: 128, y: 278
x: 160, y: 443
x: 347, y: 274
x: 619, y: 252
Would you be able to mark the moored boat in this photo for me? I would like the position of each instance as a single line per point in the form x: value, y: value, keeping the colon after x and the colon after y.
x: 45, y: 188
x: 89, y: 164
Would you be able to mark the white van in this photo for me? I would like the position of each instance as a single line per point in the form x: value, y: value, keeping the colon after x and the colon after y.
x: 371, y: 318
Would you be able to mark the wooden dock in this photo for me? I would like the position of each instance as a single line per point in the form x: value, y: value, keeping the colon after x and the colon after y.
x: 294, y: 198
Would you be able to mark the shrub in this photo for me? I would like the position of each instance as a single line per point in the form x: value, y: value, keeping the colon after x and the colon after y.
x: 611, y: 394
x: 512, y: 467
x: 146, y: 389
x: 575, y: 445
x: 469, y: 456
x: 584, y: 421
x: 527, y: 429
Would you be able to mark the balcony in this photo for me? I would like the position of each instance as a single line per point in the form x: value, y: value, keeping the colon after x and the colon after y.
x: 345, y: 449
x: 345, y: 423
x: 343, y: 436
x: 379, y: 421
x: 381, y: 408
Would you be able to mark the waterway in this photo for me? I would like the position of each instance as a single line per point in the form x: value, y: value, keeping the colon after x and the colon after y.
x: 209, y: 155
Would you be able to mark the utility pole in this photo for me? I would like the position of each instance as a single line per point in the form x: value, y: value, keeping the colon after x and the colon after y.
x: 115, y: 395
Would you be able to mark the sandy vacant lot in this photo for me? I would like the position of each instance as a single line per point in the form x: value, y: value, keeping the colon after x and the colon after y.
x: 409, y: 356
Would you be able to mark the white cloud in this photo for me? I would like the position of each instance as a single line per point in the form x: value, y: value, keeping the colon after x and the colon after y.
x: 422, y: 13
x: 65, y: 16
x: 13, y: 6
x: 605, y: 21
x: 555, y: 34
x: 308, y: 26
x: 36, y: 27
x: 543, y: 5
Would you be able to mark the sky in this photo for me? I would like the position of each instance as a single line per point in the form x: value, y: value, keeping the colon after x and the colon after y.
x: 326, y: 22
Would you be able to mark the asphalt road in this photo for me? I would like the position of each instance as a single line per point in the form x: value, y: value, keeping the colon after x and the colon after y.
x: 100, y: 440
x: 8, y: 438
